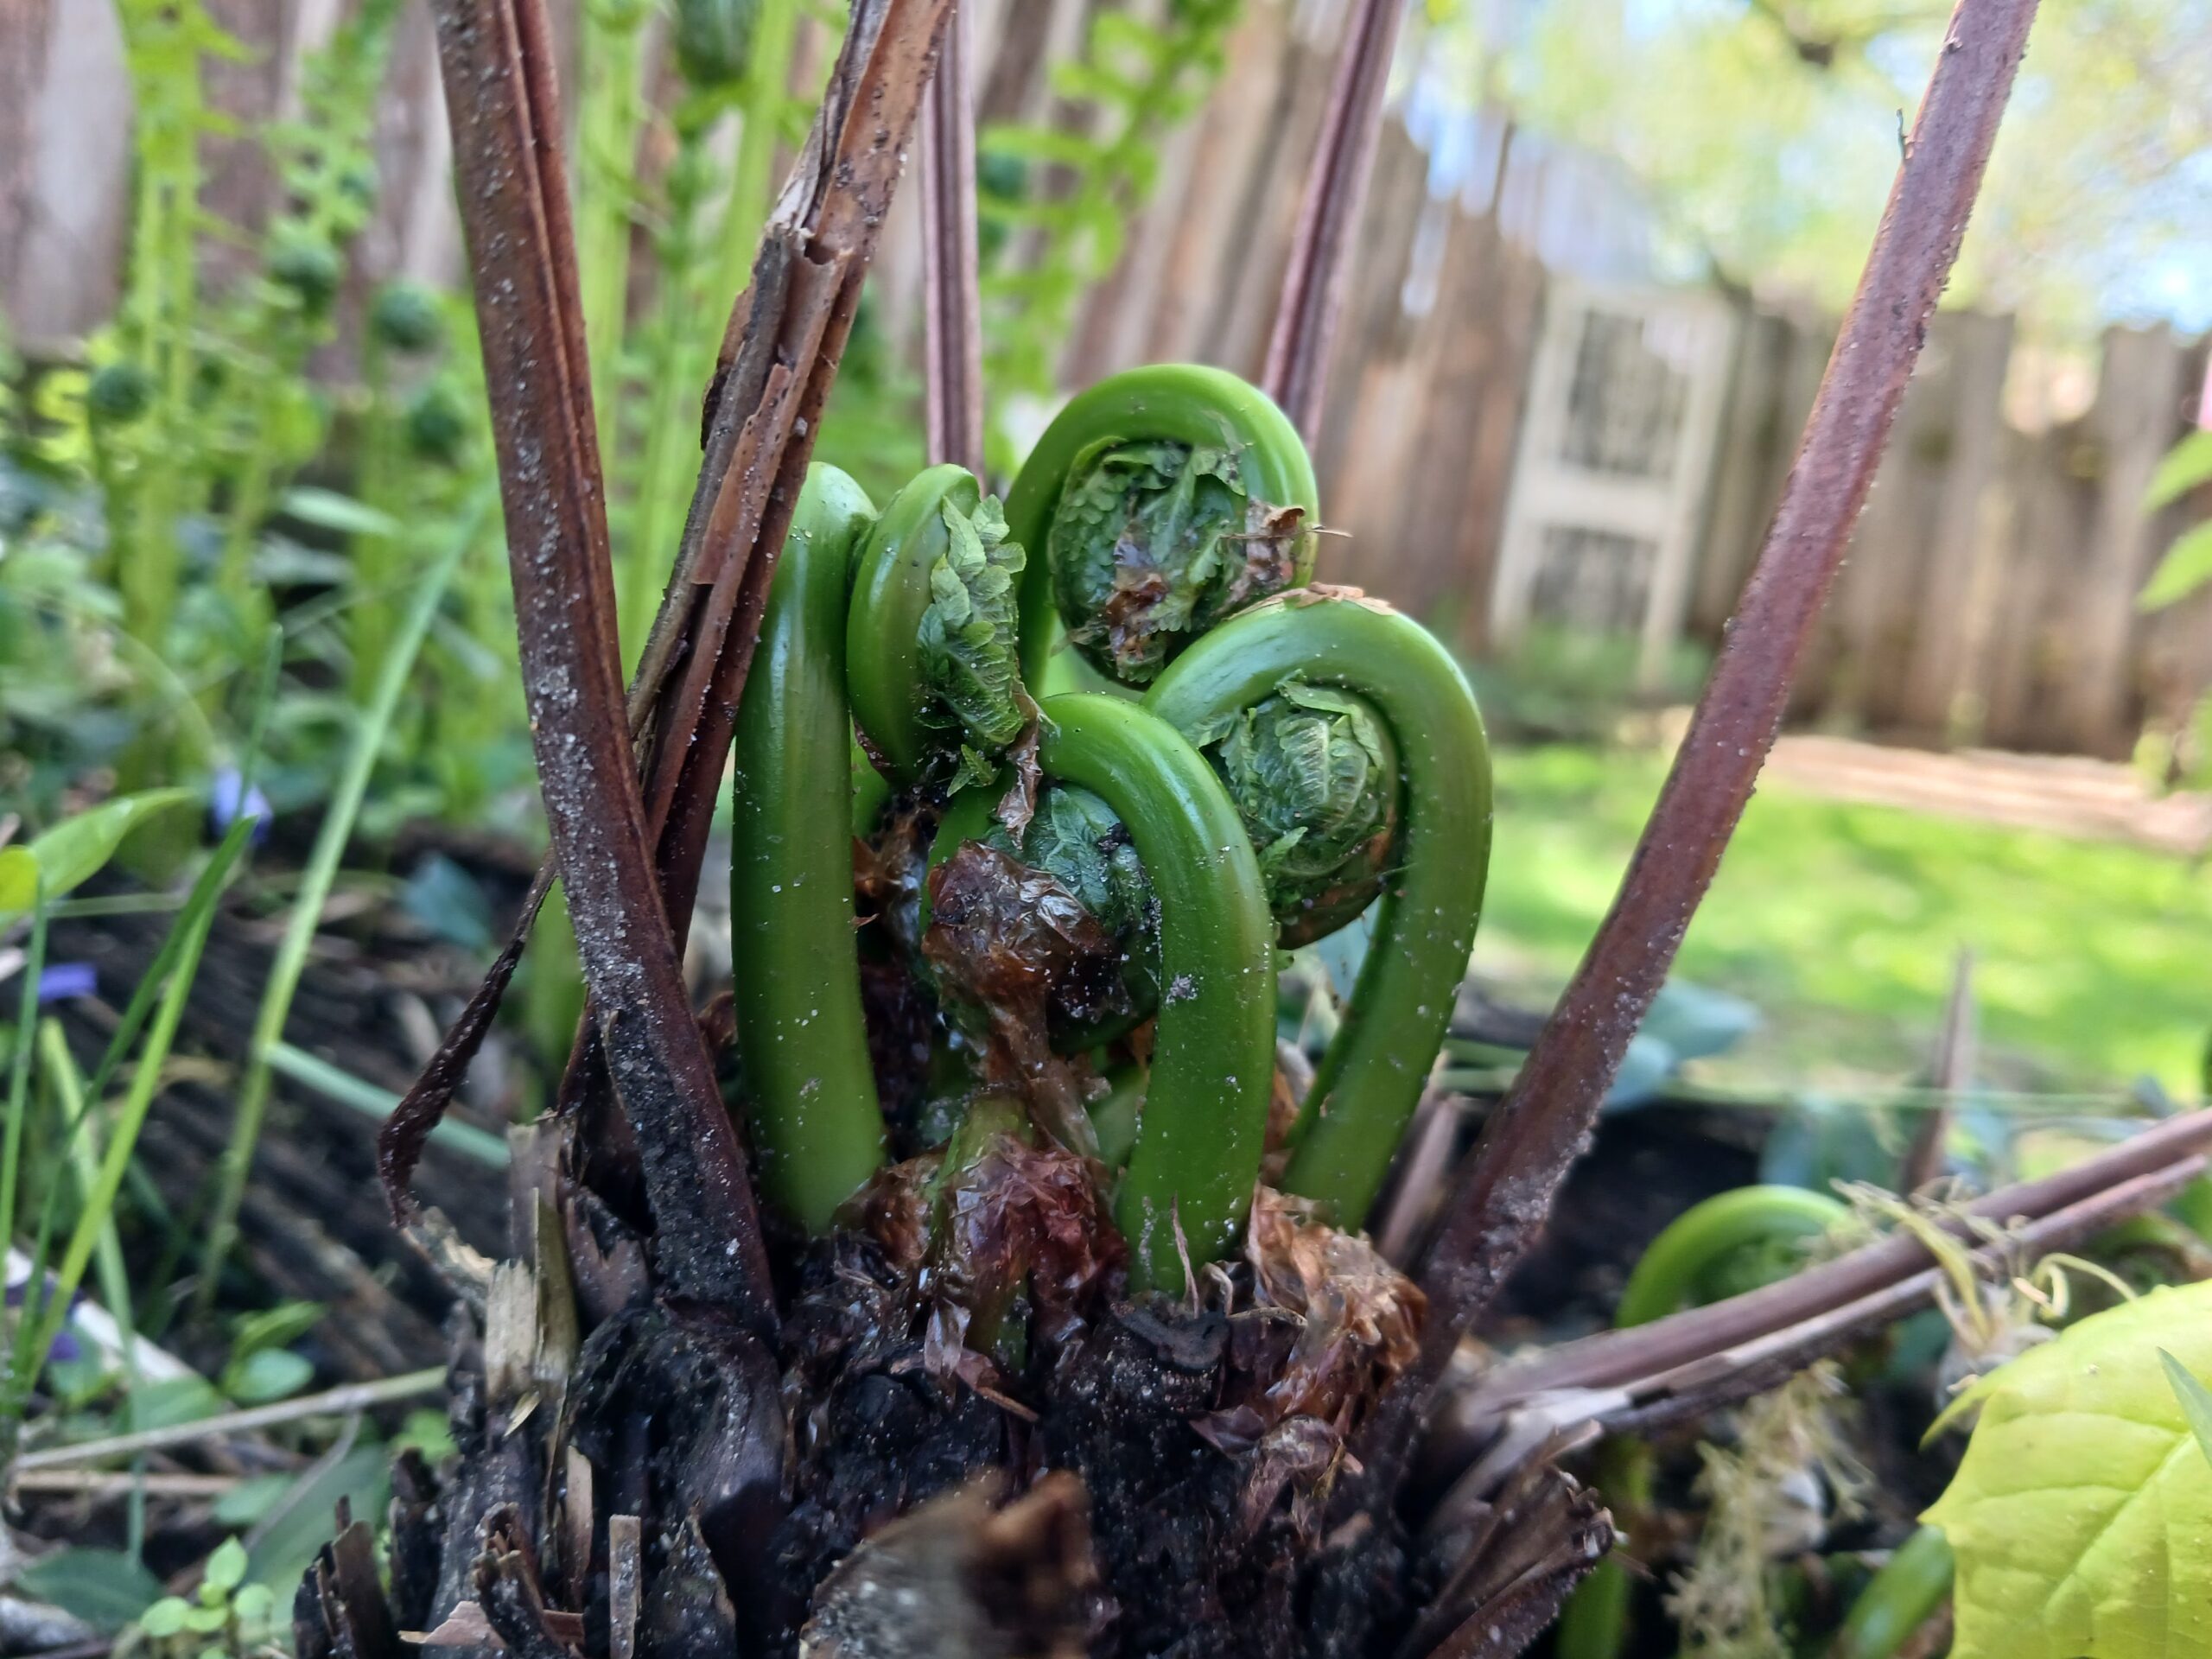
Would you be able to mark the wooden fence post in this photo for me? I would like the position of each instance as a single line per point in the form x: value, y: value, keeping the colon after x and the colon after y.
x: 2137, y: 417
x: 1945, y: 629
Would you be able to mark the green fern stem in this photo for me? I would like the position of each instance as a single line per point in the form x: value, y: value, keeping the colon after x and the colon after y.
x: 1201, y: 1134
x: 1899, y: 1599
x: 818, y: 1129
x: 1370, y: 1079
x: 1698, y: 1258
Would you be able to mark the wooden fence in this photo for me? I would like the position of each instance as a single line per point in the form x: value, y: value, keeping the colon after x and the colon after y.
x: 1990, y: 595
x: 1991, y: 590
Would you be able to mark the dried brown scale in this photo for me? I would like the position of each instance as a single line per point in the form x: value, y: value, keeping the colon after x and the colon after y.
x: 1009, y: 940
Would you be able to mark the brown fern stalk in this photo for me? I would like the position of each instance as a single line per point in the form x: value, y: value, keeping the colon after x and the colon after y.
x: 644, y: 848
x: 1536, y: 1132
x: 952, y: 329
x: 1314, y: 283
x: 496, y: 59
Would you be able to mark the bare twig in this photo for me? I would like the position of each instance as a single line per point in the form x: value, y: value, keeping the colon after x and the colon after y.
x: 1737, y: 1374
x: 103, y: 1485
x: 1951, y: 1074
x: 1533, y: 1137
x: 952, y: 328
x: 1314, y: 283
x: 2114, y: 1182
x: 780, y: 359
x: 1509, y: 1425
x: 354, y: 1398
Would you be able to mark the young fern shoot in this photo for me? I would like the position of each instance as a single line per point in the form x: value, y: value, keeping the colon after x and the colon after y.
x: 817, y: 1132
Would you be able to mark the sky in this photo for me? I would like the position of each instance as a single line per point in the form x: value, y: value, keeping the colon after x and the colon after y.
x: 1747, y: 160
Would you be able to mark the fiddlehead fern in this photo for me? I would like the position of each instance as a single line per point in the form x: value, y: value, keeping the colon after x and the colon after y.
x: 1083, y: 845
x: 931, y: 664
x: 1162, y: 500
x: 1147, y: 838
x: 1730, y: 1242
x: 932, y: 657
x: 817, y: 1129
x: 1314, y: 771
x: 1735, y: 1241
x: 1164, y: 521
x: 1392, y: 670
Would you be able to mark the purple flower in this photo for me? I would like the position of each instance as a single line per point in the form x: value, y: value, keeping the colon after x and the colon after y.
x: 225, y: 807
x: 62, y: 981
x: 65, y: 1346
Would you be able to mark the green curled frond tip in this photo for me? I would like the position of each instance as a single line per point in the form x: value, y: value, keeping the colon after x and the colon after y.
x: 1152, y: 542
x: 1314, y: 773
x: 970, y: 634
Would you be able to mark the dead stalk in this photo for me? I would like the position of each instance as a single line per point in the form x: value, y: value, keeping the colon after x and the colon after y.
x: 496, y: 59
x: 952, y: 329
x: 1314, y: 283
x: 1536, y: 1131
x: 786, y: 335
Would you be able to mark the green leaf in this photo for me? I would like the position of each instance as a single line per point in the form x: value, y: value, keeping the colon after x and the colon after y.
x: 275, y: 1327
x: 2186, y: 566
x: 307, y: 1523
x: 245, y: 1504
x: 172, y: 1402
x: 106, y: 1588
x: 265, y: 1374
x: 327, y: 510
x: 207, y: 1619
x: 2081, y: 1515
x: 427, y: 1433
x: 2187, y: 465
x: 165, y: 1617
x: 225, y: 1568
x: 2195, y: 1401
x: 74, y: 850
x: 18, y: 882
x: 253, y: 1604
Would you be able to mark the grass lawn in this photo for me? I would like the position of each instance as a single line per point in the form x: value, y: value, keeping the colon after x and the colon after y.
x: 2094, y: 961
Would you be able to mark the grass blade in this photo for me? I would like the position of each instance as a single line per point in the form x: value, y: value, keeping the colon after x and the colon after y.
x: 43, y: 1314
x: 307, y: 909
x: 19, y: 1068
x: 2195, y: 1401
x: 83, y: 1139
x: 301, y: 1067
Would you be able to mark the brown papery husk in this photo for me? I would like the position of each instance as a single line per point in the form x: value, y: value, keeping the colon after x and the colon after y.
x: 1206, y: 1432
